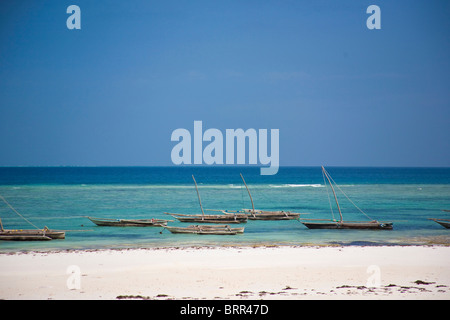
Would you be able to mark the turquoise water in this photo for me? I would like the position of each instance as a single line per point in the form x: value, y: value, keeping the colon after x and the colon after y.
x: 62, y: 197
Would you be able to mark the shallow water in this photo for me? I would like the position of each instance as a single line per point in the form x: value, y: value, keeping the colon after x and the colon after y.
x: 61, y: 198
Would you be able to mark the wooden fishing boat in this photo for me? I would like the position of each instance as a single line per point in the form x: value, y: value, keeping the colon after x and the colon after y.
x: 208, y: 218
x: 254, y: 214
x: 28, y: 235
x: 23, y: 237
x: 264, y: 215
x: 105, y: 222
x: 348, y: 225
x: 271, y: 215
x: 443, y: 222
x: 341, y: 224
x: 206, y: 229
x: 31, y: 234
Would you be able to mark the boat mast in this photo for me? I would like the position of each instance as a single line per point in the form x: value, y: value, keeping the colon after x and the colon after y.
x: 199, y: 200
x: 251, y: 199
x: 334, y: 193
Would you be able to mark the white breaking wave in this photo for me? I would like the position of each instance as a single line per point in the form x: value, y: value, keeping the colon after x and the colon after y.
x: 306, y: 185
x: 297, y: 186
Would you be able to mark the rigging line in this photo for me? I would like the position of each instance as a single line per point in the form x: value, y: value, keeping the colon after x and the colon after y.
x: 328, y: 194
x: 198, y: 195
x: 248, y: 191
x: 242, y: 194
x: 350, y: 199
x: 4, y: 200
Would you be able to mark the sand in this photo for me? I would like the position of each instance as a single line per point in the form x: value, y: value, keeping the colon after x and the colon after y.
x: 397, y: 272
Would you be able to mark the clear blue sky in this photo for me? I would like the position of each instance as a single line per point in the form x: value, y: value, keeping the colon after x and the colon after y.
x: 113, y: 92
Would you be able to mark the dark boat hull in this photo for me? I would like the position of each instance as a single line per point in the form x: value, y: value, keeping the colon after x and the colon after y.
x: 128, y: 222
x: 445, y: 224
x: 349, y: 225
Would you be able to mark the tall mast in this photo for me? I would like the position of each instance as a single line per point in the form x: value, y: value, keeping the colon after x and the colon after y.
x: 198, y: 194
x: 251, y: 199
x: 334, y: 193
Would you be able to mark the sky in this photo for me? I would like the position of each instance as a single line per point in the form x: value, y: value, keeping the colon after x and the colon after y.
x: 112, y: 92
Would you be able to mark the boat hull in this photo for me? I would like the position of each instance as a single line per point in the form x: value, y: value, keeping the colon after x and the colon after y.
x: 213, y: 230
x: 24, y: 238
x: 274, y: 216
x: 128, y: 222
x: 56, y: 234
x: 266, y: 215
x: 445, y: 224
x: 31, y: 235
x: 349, y: 225
x: 212, y: 218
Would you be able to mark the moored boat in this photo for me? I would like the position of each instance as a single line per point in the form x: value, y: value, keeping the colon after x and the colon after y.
x: 254, y: 214
x: 37, y: 234
x: 349, y: 225
x: 205, y: 229
x: 341, y: 224
x: 208, y: 218
x: 28, y: 234
x: 106, y: 222
x: 443, y: 222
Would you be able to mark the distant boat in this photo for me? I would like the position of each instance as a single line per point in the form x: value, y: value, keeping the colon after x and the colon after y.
x: 254, y: 214
x: 105, y: 222
x: 341, y: 224
x: 205, y: 229
x: 443, y: 222
x: 37, y: 234
x: 208, y: 218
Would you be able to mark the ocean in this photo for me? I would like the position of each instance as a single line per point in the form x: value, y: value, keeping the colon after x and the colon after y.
x: 62, y: 198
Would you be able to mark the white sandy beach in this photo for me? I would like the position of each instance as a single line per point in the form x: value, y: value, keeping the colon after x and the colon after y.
x: 416, y: 272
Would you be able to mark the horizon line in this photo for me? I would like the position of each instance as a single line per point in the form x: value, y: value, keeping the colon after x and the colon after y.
x: 218, y: 166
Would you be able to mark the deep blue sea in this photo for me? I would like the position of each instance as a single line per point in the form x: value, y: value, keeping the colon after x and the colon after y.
x: 62, y: 197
